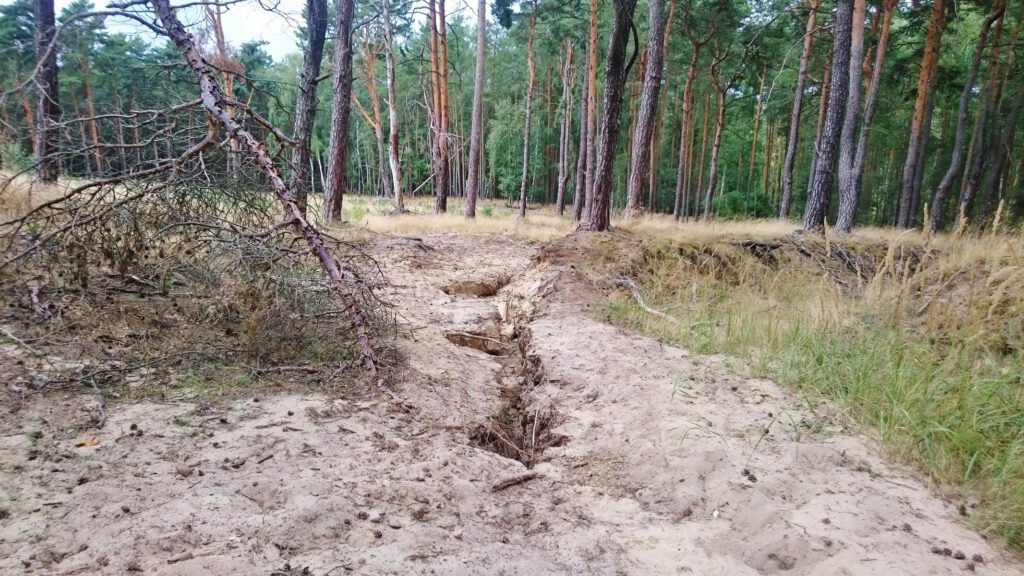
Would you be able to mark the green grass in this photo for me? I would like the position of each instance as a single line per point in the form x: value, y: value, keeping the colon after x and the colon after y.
x: 940, y: 389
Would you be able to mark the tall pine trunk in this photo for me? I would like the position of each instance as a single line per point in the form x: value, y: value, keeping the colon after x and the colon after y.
x: 789, y: 163
x: 531, y: 80
x: 305, y: 102
x: 847, y: 139
x: 615, y: 80
x: 443, y: 168
x: 476, y: 135
x: 848, y: 202
x: 48, y: 109
x: 580, y: 191
x: 565, y: 131
x: 341, y: 76
x: 640, y: 159
x: 716, y: 144
x: 685, y: 138
x: 959, y: 140
x: 821, y: 181
x: 394, y: 162
x: 915, y: 153
x: 591, y: 143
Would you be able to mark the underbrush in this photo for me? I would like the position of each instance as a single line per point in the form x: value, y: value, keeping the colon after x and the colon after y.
x: 921, y: 341
x: 189, y: 292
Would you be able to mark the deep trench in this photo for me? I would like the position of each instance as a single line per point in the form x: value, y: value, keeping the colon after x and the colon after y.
x: 515, y: 431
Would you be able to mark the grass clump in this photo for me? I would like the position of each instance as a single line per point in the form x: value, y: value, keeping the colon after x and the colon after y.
x: 921, y: 342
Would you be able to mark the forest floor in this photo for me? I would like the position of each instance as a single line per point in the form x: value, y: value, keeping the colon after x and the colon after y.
x: 521, y: 435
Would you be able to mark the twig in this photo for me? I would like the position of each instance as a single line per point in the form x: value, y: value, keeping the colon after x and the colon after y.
x: 99, y: 399
x: 513, y: 481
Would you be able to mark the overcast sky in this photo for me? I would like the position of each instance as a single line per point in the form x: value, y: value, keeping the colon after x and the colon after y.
x: 243, y: 22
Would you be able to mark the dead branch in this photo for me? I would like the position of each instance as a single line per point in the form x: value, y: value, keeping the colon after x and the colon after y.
x: 513, y: 481
x: 215, y: 104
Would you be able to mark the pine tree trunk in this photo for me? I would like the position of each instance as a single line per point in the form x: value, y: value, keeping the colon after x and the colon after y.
x: 929, y: 65
x: 957, y: 160
x: 789, y: 163
x: 591, y: 146
x: 847, y: 169
x: 476, y: 136
x: 122, y: 146
x: 341, y: 76
x: 640, y: 159
x: 531, y: 74
x: 685, y: 169
x: 615, y: 71
x: 754, y: 133
x: 716, y: 147
x: 848, y: 203
x: 706, y: 121
x: 821, y: 181
x: 48, y: 109
x: 443, y: 166
x: 564, y: 135
x: 90, y: 108
x: 580, y: 192
x: 394, y: 162
x: 998, y: 173
x: 305, y: 101
x: 819, y: 128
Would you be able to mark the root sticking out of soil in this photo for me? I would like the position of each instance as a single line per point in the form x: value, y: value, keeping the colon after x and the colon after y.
x: 477, y: 288
x: 518, y: 430
x: 477, y: 341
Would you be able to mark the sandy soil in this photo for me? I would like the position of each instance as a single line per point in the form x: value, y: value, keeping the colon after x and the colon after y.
x: 658, y: 462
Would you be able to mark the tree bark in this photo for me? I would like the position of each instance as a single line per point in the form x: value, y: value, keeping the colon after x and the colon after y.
x: 476, y: 136
x: 442, y: 170
x: 848, y: 203
x: 929, y: 65
x: 705, y: 122
x: 591, y: 84
x: 716, y: 145
x: 847, y: 139
x: 48, y: 109
x: 754, y: 133
x: 305, y: 102
x: 640, y: 159
x: 821, y: 182
x: 394, y: 161
x: 794, y: 117
x: 215, y: 103
x: 582, y: 158
x: 565, y: 136
x: 684, y: 172
x: 957, y: 159
x: 531, y: 74
x: 615, y: 80
x: 341, y: 77
x: 993, y: 184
